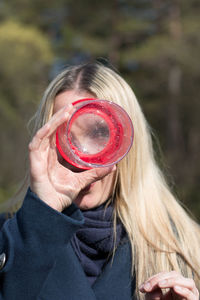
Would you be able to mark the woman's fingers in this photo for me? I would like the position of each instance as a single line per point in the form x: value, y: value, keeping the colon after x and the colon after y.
x: 87, y: 177
x: 41, y: 138
x: 186, y: 293
x: 167, y: 280
x: 152, y: 282
x: 60, y: 117
x: 178, y: 281
x: 182, y: 286
x: 37, y: 139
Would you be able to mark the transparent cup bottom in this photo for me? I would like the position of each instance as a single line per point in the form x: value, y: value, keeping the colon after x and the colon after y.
x: 89, y: 133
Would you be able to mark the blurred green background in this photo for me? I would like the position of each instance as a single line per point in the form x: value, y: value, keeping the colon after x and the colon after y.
x: 154, y: 44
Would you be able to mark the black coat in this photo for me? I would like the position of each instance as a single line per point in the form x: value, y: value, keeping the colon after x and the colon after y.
x: 41, y: 264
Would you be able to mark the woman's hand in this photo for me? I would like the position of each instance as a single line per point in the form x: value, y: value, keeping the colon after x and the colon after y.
x: 53, y: 183
x: 179, y: 287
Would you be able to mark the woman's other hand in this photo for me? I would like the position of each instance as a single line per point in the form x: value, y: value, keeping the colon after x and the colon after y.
x: 179, y: 287
x: 51, y: 181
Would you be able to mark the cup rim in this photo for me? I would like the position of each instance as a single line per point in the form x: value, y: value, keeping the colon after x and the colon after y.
x: 88, y: 165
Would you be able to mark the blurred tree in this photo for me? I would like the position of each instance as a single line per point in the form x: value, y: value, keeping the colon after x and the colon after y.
x: 25, y: 58
x: 155, y: 44
x: 170, y: 57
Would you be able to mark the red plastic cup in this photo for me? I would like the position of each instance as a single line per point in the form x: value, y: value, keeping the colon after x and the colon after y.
x: 98, y: 134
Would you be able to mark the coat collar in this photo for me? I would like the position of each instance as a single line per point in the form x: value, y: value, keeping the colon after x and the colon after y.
x: 115, y: 280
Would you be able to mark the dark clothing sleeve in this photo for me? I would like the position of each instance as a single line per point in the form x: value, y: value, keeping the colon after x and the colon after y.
x: 31, y: 240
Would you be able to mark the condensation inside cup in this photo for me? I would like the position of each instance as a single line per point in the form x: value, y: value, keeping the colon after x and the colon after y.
x: 89, y: 133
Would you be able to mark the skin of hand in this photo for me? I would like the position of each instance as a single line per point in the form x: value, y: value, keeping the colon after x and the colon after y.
x: 179, y: 287
x: 54, y: 183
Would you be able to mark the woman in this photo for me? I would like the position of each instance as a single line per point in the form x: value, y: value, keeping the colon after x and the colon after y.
x: 105, y: 233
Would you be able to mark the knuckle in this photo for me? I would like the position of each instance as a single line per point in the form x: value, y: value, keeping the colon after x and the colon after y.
x: 191, y: 282
x: 175, y: 273
x: 37, y: 135
x: 100, y: 173
x: 187, y: 292
x: 30, y: 146
x: 96, y: 173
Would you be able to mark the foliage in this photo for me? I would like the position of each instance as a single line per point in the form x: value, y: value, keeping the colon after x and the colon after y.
x: 155, y: 45
x: 25, y: 58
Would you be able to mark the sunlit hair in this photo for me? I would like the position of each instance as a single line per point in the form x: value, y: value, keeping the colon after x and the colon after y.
x: 162, y: 236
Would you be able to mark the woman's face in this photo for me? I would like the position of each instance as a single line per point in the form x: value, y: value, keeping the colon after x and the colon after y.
x: 99, y: 191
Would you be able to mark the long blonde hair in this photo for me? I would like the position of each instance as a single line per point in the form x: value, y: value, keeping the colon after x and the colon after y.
x: 162, y: 236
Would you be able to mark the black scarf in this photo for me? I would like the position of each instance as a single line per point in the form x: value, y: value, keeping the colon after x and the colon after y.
x: 95, y: 240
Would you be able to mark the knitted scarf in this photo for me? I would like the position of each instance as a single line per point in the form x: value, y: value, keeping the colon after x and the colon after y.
x: 94, y: 241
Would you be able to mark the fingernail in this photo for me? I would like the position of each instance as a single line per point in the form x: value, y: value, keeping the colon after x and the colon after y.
x: 178, y: 288
x: 162, y: 283
x: 114, y: 168
x: 147, y: 286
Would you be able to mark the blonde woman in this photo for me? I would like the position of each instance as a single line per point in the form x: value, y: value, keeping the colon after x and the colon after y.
x: 105, y: 233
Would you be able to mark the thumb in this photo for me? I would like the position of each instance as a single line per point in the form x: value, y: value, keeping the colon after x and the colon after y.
x: 92, y: 175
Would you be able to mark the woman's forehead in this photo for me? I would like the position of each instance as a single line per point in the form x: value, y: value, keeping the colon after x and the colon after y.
x: 68, y: 97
